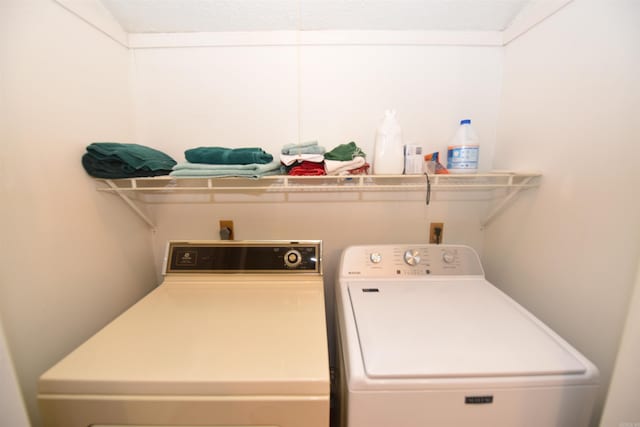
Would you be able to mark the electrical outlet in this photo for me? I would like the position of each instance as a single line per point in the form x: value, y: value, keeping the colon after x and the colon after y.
x: 436, y: 232
x: 226, y: 229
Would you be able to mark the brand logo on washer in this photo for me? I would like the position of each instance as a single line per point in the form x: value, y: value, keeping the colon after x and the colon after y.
x: 478, y: 400
x: 354, y: 272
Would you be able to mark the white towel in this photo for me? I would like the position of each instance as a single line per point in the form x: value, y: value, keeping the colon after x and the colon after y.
x: 288, y: 160
x: 337, y: 167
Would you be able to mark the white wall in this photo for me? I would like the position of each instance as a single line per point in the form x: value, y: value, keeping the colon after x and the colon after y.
x: 269, y: 96
x: 569, y: 250
x: 71, y: 258
x: 621, y: 409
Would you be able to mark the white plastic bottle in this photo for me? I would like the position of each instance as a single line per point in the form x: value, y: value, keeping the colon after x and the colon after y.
x: 388, y: 158
x: 464, y: 151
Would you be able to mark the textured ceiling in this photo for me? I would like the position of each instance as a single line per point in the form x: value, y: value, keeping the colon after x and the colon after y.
x: 177, y: 16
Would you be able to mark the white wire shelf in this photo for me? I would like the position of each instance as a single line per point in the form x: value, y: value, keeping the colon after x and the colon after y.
x: 286, y: 183
x: 129, y: 189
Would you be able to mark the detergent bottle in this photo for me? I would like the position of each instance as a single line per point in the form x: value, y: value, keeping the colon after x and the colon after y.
x: 388, y: 158
x: 464, y: 150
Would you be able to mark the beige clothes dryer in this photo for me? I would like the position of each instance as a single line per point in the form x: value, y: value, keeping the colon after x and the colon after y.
x: 234, y: 336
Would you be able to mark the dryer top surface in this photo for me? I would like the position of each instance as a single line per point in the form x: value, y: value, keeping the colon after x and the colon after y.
x: 202, y: 337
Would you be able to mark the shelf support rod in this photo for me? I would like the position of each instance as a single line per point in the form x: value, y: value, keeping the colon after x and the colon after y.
x: 132, y: 205
x: 498, y: 208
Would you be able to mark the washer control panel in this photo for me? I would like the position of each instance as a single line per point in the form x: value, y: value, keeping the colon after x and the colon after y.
x: 410, y: 260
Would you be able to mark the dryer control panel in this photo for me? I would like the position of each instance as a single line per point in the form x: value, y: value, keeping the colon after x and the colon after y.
x: 230, y: 256
x: 410, y: 260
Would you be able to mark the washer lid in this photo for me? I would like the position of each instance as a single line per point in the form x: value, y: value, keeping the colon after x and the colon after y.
x: 444, y: 329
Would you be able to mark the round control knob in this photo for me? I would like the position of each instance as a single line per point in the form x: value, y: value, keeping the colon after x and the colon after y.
x: 412, y: 257
x: 292, y: 258
x: 448, y: 257
x: 375, y: 257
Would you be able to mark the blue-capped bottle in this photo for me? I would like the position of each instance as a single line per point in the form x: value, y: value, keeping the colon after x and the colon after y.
x: 463, y: 153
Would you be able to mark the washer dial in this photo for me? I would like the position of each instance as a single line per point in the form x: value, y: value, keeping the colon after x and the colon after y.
x: 448, y: 257
x: 375, y: 257
x: 412, y: 257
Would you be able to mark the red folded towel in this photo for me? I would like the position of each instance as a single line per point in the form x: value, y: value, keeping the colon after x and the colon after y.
x: 307, y: 169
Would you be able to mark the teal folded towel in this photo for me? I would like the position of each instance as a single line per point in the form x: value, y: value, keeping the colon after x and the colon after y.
x: 113, y: 160
x: 309, y: 147
x: 228, y: 156
x: 200, y: 170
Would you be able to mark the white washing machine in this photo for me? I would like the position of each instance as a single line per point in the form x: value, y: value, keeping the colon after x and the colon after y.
x: 425, y: 340
x: 234, y: 336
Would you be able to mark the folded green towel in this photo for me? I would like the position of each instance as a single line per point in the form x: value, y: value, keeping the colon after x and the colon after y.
x: 254, y: 170
x: 112, y: 160
x: 345, y: 152
x: 309, y: 147
x: 227, y: 156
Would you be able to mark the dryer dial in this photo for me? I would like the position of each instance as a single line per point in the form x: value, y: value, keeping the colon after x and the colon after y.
x: 292, y: 258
